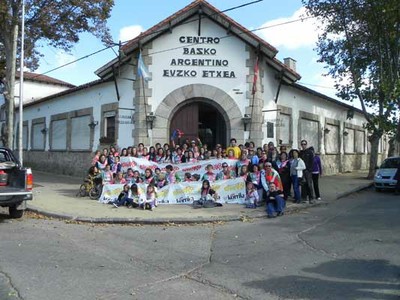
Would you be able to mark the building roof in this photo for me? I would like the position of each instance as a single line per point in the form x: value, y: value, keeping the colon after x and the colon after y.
x: 43, y: 78
x: 66, y: 92
x: 325, y: 97
x: 203, y: 8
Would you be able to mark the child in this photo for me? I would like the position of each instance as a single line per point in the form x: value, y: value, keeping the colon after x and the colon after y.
x: 129, y: 175
x: 208, y: 197
x: 206, y: 192
x: 252, y: 196
x: 151, y: 198
x: 136, y: 177
x: 119, y: 178
x: 148, y: 177
x: 116, y: 166
x: 170, y: 174
x: 161, y: 182
x: 107, y: 175
x: 96, y: 157
x: 188, y: 177
x: 129, y: 196
x: 123, y: 196
x: 209, y: 175
x: 275, y: 201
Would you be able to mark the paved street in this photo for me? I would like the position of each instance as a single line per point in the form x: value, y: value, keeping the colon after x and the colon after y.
x: 348, y: 249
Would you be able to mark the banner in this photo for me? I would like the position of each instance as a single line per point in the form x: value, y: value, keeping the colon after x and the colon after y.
x: 141, y: 164
x: 228, y: 191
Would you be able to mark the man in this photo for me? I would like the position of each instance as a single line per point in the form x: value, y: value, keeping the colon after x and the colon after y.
x: 307, y: 155
x: 226, y: 173
x: 234, y: 147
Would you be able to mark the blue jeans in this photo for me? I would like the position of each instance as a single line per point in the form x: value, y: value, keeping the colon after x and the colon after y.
x: 296, y: 188
x: 275, y: 206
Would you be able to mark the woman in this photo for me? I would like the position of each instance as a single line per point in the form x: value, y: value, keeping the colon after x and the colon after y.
x: 270, y: 175
x: 152, y: 153
x: 160, y: 155
x: 284, y: 173
x: 191, y: 157
x: 316, y: 173
x: 297, y: 166
x: 167, y: 157
x: 124, y: 152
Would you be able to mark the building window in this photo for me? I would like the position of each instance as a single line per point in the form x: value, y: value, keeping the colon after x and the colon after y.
x: 38, y: 136
x: 59, y: 135
x: 24, y: 137
x: 348, y: 140
x: 309, y: 132
x: 270, y: 130
x: 109, y: 125
x: 332, y: 139
x: 359, y: 141
x: 285, y: 134
x: 80, y: 133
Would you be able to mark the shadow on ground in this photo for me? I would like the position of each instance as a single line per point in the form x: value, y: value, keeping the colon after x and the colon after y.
x: 341, y: 279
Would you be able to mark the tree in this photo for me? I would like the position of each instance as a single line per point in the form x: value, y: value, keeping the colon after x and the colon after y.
x: 360, y: 45
x: 57, y: 23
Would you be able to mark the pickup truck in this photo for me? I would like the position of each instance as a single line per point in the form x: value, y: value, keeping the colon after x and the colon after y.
x: 16, y: 183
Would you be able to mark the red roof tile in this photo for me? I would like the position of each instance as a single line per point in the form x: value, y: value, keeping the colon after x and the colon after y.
x: 44, y: 78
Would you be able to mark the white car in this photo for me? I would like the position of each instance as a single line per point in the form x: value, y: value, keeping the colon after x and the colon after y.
x: 384, y: 176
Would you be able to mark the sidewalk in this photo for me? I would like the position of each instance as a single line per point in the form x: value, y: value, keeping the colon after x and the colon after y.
x: 55, y: 196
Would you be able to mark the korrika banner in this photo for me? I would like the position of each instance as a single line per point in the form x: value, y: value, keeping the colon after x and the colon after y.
x: 229, y: 191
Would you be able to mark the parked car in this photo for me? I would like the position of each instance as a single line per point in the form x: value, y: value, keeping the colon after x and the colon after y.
x: 16, y: 183
x: 384, y: 176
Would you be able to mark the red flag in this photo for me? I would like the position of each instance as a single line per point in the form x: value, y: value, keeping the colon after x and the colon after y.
x: 254, y: 88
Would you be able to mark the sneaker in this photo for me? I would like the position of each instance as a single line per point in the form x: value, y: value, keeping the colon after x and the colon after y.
x: 115, y: 205
x: 312, y: 201
x: 319, y: 199
x: 281, y: 213
x: 271, y: 216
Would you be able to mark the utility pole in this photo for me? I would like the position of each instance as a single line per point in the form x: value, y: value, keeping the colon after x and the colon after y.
x: 21, y: 85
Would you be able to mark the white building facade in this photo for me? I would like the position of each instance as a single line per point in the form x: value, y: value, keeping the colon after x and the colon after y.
x: 204, y: 81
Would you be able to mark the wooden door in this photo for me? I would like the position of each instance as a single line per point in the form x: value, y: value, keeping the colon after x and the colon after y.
x: 187, y: 120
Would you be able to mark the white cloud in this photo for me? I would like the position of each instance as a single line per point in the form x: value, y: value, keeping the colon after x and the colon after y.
x: 63, y: 58
x: 292, y: 35
x: 129, y: 32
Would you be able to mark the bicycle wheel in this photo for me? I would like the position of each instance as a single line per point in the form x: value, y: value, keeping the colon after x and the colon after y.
x: 82, y: 191
x: 94, y: 193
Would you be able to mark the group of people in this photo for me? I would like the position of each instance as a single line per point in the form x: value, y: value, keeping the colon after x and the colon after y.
x: 270, y: 174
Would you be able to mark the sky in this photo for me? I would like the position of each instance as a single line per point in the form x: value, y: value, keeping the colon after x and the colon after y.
x: 130, y: 17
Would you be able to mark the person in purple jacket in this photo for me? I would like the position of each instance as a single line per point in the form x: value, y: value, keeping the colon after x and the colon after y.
x: 316, y: 172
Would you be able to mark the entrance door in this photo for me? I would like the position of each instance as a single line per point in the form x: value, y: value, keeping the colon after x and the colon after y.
x: 199, y: 119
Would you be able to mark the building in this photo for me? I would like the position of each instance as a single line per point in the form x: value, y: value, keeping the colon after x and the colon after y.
x: 210, y: 77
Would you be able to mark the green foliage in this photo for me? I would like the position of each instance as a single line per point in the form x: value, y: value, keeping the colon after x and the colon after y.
x: 360, y: 45
x: 57, y: 23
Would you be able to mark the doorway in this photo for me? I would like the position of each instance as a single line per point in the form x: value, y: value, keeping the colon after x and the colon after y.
x: 200, y: 119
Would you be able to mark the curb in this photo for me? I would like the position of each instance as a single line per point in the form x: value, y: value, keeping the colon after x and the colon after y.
x: 160, y: 221
x: 355, y: 190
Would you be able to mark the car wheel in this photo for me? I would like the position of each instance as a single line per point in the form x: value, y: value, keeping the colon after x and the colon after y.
x: 15, y: 213
x: 378, y: 189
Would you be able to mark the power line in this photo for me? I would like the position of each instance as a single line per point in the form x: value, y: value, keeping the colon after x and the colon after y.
x: 316, y: 85
x: 103, y: 49
x: 189, y: 45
